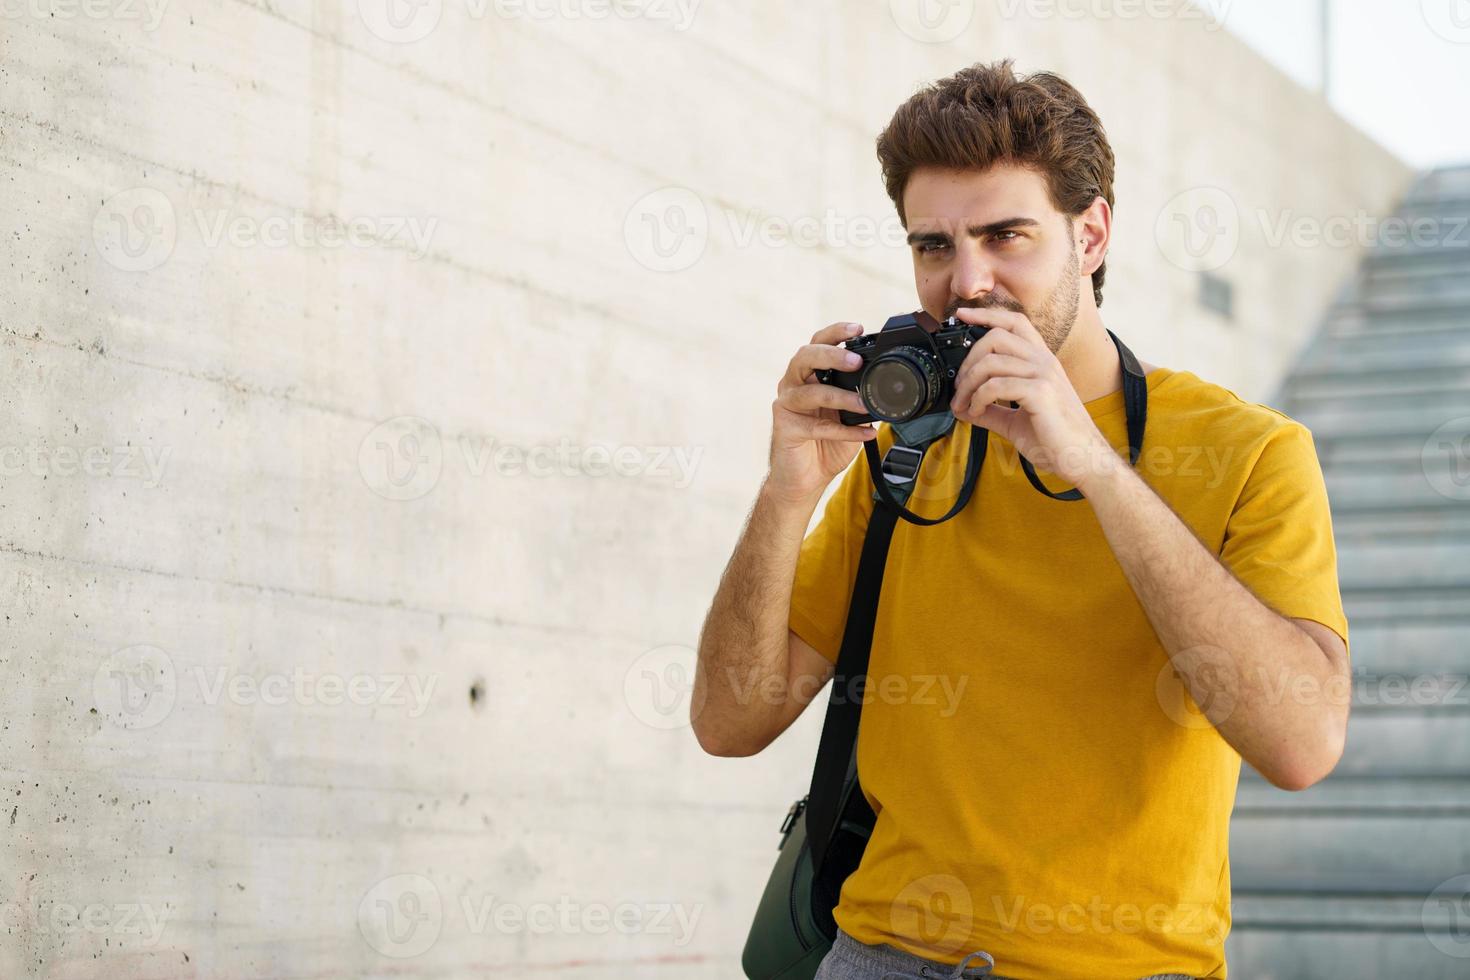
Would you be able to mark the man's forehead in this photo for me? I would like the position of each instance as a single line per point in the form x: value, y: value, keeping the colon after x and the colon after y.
x: 945, y: 199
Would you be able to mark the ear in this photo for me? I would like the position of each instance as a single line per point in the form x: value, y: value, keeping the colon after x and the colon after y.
x: 1092, y: 230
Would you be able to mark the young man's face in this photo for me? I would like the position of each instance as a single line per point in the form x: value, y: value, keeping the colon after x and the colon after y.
x: 993, y: 238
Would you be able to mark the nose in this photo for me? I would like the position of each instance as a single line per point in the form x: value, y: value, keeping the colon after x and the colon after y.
x: 971, y: 276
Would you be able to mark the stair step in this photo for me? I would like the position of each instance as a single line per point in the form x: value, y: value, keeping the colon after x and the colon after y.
x: 1398, y: 267
x: 1455, y: 203
x: 1401, y: 452
x: 1419, y: 605
x: 1431, y: 563
x: 1368, y: 379
x: 1431, y: 325
x: 1424, y: 387
x: 1449, y: 523
x: 1432, y: 741
x: 1412, y: 650
x: 1387, y: 489
x: 1329, y: 940
x: 1446, y: 291
x: 1347, y: 850
x: 1442, y: 182
x: 1441, y: 247
x: 1397, y: 311
x: 1409, y: 648
x: 1337, y: 793
x: 1452, y: 197
x: 1386, y: 357
x: 1382, y: 416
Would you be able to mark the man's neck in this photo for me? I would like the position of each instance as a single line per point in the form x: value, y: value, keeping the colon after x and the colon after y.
x: 1090, y: 358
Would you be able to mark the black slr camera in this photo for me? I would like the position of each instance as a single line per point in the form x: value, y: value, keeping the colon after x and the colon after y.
x: 907, y: 371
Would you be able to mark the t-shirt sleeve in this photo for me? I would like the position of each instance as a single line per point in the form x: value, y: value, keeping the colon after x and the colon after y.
x: 1279, y: 537
x: 827, y: 567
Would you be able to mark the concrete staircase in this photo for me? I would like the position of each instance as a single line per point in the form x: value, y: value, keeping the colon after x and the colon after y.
x: 1357, y: 876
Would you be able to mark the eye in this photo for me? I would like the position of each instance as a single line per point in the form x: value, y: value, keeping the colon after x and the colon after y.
x: 1000, y: 236
x: 926, y: 248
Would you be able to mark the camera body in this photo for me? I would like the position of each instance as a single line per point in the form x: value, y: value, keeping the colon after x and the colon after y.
x: 907, y: 371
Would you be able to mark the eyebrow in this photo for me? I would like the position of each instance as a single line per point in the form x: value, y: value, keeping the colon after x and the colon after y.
x: 976, y: 231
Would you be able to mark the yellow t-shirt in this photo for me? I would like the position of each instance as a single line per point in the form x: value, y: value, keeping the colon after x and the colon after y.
x: 1045, y: 788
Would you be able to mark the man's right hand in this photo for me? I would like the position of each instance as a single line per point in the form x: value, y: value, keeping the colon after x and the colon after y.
x: 809, y: 443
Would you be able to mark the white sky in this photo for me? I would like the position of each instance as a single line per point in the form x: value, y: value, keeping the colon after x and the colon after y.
x: 1400, y: 68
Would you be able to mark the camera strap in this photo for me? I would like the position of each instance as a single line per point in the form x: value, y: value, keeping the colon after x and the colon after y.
x: 902, y: 461
x: 1135, y: 406
x: 835, y: 800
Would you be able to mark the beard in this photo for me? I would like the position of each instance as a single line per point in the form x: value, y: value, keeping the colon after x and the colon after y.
x: 1057, y: 314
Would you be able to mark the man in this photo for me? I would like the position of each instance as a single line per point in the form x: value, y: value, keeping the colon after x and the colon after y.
x: 1047, y: 794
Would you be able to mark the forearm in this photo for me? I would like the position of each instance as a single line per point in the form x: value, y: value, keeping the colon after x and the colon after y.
x: 744, y: 651
x: 1263, y: 682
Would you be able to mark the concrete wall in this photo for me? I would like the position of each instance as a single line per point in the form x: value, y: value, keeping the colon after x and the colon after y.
x: 309, y: 669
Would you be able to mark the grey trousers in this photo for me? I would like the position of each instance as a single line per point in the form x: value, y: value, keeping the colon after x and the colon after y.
x: 852, y: 960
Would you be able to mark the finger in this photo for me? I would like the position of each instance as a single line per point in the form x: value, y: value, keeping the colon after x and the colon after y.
x: 990, y: 365
x: 835, y: 332
x: 830, y: 430
x: 1019, y: 390
x: 1002, y: 342
x: 808, y: 398
x: 998, y: 342
x: 1008, y: 320
x: 811, y: 358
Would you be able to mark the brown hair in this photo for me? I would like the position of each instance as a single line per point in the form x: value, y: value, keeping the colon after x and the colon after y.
x: 983, y: 115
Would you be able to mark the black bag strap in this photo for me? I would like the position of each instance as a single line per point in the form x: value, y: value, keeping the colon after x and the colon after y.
x: 834, y: 794
x: 844, y: 706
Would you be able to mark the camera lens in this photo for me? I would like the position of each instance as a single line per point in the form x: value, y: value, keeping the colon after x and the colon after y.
x: 900, y: 385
